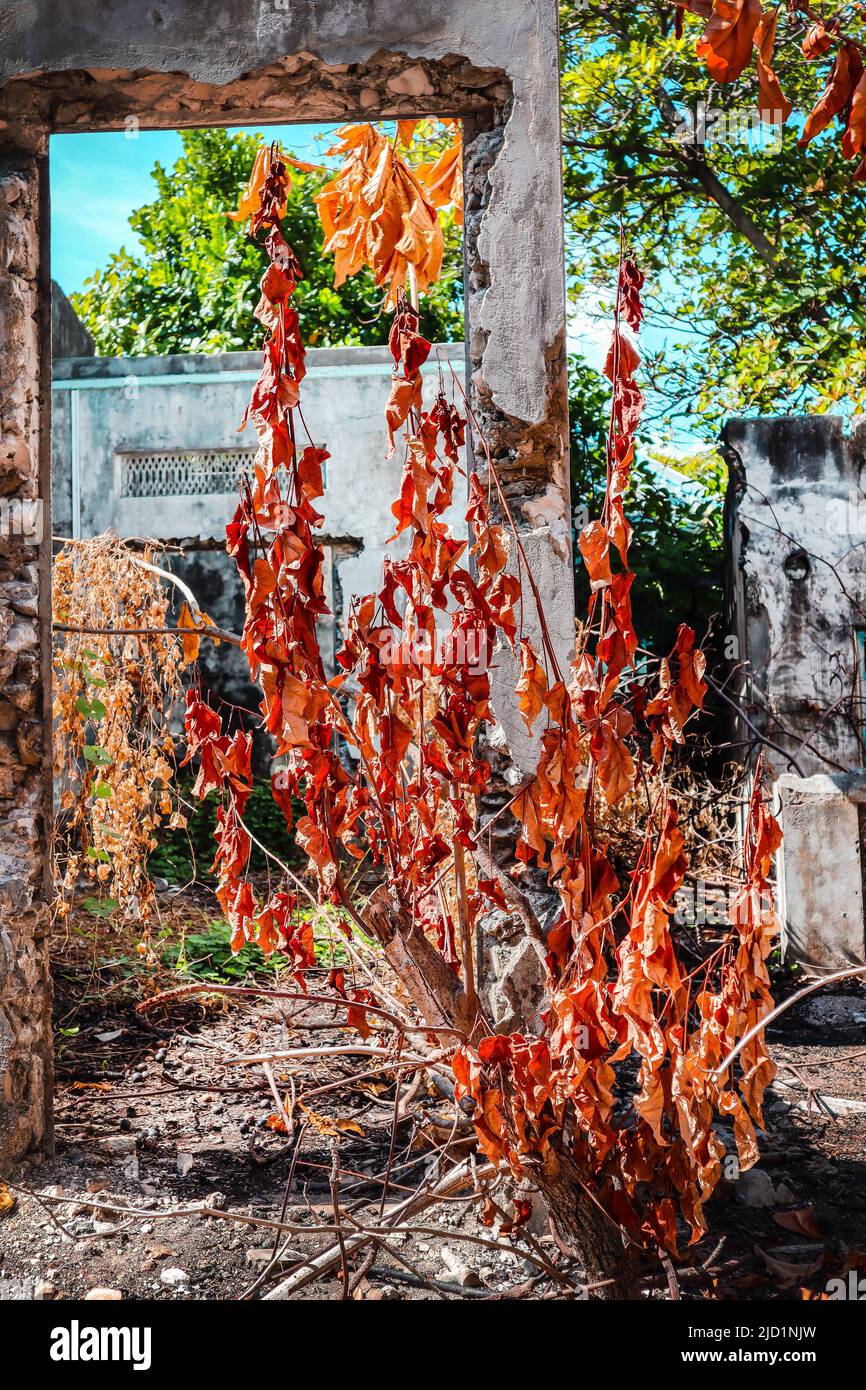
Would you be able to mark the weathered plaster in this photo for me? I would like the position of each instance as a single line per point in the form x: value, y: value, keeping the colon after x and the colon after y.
x: 796, y: 524
x: 105, y: 408
x: 483, y: 48
x: 821, y: 871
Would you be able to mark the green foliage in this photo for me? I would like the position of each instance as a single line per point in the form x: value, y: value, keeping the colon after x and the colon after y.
x: 195, y: 284
x: 767, y: 334
x: 100, y: 908
x: 208, y: 955
x: 676, y: 512
x: 183, y: 855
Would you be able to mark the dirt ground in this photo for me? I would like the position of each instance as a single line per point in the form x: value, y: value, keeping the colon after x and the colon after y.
x: 171, y: 1179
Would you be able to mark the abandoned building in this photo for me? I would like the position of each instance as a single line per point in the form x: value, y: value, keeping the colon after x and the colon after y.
x: 240, y: 62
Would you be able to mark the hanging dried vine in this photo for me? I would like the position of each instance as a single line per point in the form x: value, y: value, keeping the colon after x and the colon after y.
x: 610, y: 1105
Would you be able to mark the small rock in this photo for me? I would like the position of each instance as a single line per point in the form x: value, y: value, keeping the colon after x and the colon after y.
x: 411, y: 82
x: 784, y: 1195
x: 103, y: 1296
x: 120, y: 1144
x: 458, y: 1271
x: 217, y: 1201
x: 175, y: 1278
x: 104, y: 1228
x: 45, y: 1289
x: 185, y: 1163
x: 385, y: 1293
x: 755, y: 1189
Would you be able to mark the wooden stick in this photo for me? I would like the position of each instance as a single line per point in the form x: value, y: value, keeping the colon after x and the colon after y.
x: 846, y: 974
x: 300, y: 1054
x: 468, y: 1172
x: 466, y: 942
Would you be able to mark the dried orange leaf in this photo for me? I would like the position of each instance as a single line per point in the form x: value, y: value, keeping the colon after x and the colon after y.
x: 325, y: 1124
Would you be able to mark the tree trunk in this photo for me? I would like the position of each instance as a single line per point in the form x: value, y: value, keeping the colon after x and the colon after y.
x: 584, y: 1230
x: 579, y: 1224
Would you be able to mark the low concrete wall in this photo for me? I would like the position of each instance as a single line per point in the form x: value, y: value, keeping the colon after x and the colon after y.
x: 820, y: 869
x: 147, y: 425
x: 107, y: 410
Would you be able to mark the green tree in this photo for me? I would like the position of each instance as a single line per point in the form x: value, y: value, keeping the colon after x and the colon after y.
x: 752, y: 246
x: 194, y: 285
x: 674, y: 507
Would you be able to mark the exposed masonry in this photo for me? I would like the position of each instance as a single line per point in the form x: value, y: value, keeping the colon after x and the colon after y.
x: 532, y: 465
x: 25, y: 991
x: 302, y: 86
x: 205, y: 62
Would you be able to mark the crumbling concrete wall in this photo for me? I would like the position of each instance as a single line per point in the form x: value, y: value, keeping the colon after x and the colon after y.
x: 796, y: 527
x: 25, y: 994
x: 113, y: 417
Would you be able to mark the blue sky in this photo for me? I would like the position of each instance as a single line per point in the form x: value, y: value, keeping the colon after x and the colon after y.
x: 98, y: 180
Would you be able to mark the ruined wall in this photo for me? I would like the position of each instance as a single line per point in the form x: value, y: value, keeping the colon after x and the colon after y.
x: 821, y: 872
x: 25, y: 1033
x: 117, y: 422
x: 199, y: 62
x: 796, y: 525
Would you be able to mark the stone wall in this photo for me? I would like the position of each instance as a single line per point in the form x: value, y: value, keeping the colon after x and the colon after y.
x: 25, y: 1033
